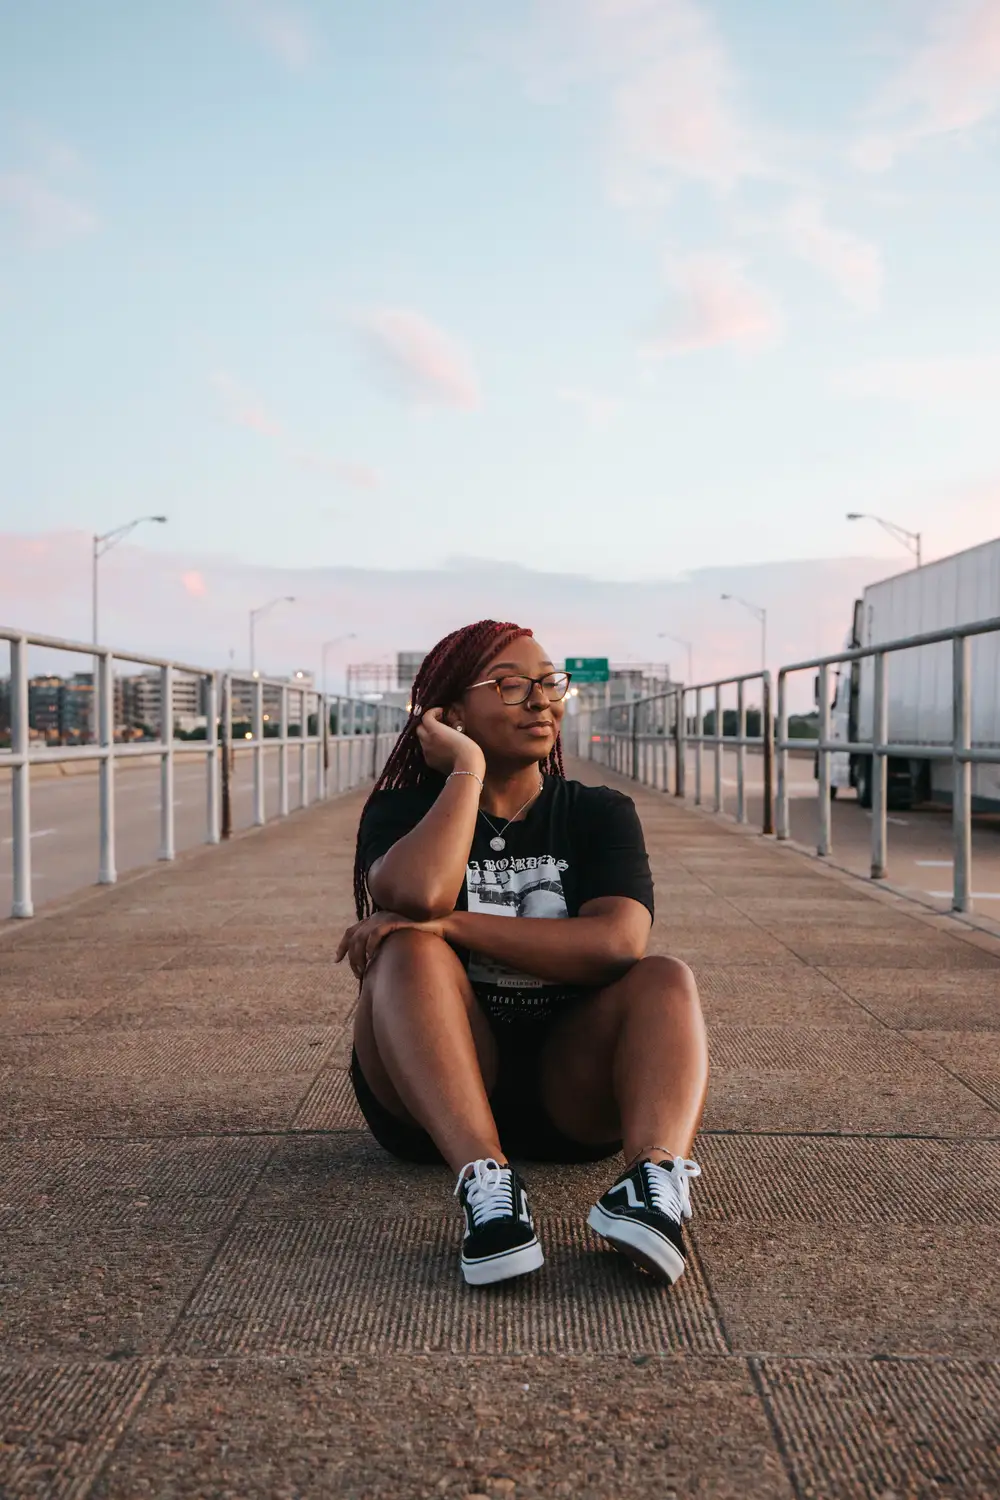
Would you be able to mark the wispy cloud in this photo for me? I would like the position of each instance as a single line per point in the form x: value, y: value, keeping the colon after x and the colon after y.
x: 950, y: 83
x: 666, y: 86
x: 852, y: 263
x: 925, y: 381
x: 42, y: 215
x: 417, y: 359
x: 356, y: 476
x: 243, y: 408
x: 278, y: 28
x: 716, y: 304
x: 597, y: 410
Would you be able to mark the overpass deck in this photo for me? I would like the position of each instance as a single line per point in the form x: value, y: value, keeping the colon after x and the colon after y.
x: 214, y: 1283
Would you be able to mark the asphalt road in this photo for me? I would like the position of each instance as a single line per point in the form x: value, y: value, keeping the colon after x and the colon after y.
x: 64, y: 820
x: 65, y: 827
x: 919, y: 841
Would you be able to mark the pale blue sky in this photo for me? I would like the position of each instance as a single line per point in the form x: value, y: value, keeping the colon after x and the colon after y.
x: 624, y: 287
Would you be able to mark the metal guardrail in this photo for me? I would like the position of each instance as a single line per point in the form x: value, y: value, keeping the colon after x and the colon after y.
x: 960, y: 749
x: 342, y: 760
x: 648, y: 738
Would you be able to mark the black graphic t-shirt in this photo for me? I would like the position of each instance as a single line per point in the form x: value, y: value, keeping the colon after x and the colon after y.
x: 576, y: 843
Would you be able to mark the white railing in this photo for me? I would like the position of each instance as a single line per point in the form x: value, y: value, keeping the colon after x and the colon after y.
x: 365, y: 734
x: 960, y: 750
x: 648, y: 739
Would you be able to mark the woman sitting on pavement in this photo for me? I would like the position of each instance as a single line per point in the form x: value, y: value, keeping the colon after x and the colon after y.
x: 477, y: 1035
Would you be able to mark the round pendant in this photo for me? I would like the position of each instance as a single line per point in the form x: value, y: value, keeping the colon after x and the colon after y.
x: 498, y: 844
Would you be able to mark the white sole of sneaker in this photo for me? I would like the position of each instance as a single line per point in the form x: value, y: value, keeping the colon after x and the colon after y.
x: 651, y: 1251
x: 501, y: 1267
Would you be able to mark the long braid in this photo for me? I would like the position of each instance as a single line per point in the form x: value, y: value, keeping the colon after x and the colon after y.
x: 445, y: 673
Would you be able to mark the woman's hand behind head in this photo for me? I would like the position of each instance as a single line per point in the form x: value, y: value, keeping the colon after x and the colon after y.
x: 446, y: 749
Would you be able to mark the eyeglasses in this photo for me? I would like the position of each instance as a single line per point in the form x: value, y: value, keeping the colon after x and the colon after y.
x: 517, y: 689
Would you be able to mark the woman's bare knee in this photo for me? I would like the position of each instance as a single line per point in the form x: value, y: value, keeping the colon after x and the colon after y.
x: 668, y: 976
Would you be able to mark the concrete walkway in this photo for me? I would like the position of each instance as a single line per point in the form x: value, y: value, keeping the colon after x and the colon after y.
x: 213, y: 1283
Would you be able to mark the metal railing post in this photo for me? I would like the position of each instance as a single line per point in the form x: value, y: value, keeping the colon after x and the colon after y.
x: 680, y: 744
x: 226, y: 756
x: 303, y: 749
x: 880, y: 769
x: 782, y: 820
x: 375, y: 719
x: 633, y: 730
x: 767, y: 732
x: 961, y: 786
x: 258, y: 752
x: 22, y: 905
x: 323, y: 748
x: 167, y: 763
x: 212, y: 759
x: 338, y: 741
x: 107, y: 874
x: 718, y: 798
x: 823, y: 765
x: 699, y: 729
x: 741, y: 754
x: 283, y: 754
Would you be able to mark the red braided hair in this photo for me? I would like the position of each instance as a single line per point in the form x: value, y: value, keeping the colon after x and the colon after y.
x: 445, y: 673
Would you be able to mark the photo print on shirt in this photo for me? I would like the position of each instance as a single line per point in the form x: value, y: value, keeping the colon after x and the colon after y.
x: 529, y: 887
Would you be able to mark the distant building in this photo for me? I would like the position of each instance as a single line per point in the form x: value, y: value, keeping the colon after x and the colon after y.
x: 77, y: 706
x: 139, y: 700
x: 45, y: 706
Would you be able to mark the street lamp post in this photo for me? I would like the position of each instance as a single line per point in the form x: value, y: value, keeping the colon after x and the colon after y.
x: 262, y: 610
x: 102, y: 544
x: 328, y: 646
x: 761, y: 614
x: 909, y: 539
x: 664, y: 635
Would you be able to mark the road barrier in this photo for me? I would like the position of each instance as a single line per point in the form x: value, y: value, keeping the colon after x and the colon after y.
x: 647, y: 739
x: 354, y: 754
x: 963, y: 754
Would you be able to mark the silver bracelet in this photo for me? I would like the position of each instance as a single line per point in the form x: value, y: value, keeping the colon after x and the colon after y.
x: 467, y: 773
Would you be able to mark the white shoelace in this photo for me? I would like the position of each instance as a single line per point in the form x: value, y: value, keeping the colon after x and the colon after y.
x: 669, y: 1187
x: 489, y: 1193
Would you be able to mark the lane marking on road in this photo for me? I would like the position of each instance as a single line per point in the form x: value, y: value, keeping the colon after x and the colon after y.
x: 934, y: 864
x: 36, y: 833
x: 899, y: 822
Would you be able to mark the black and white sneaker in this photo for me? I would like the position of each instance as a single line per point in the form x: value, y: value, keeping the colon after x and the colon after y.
x: 642, y: 1214
x: 499, y: 1231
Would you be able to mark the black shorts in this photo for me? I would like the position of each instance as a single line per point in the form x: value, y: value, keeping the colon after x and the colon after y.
x: 525, y: 1129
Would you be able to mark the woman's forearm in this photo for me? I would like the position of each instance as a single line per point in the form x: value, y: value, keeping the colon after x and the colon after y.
x: 568, y: 950
x: 422, y: 874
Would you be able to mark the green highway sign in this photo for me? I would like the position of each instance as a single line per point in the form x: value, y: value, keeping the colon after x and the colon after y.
x: 588, y: 668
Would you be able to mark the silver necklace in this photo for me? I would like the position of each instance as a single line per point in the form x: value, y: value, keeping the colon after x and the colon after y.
x: 498, y: 843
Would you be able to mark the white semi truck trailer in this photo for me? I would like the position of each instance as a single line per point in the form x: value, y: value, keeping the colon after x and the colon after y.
x: 956, y: 590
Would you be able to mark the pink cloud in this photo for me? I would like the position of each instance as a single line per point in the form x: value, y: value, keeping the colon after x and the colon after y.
x: 356, y: 476
x: 718, y: 304
x: 43, y: 216
x: 662, y: 78
x: 853, y: 264
x: 419, y: 360
x: 194, y: 584
x: 278, y: 28
x: 950, y: 83
x: 243, y: 409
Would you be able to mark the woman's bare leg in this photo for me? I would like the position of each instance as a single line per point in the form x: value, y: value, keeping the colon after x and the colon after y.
x: 425, y: 1048
x: 631, y: 1063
